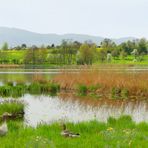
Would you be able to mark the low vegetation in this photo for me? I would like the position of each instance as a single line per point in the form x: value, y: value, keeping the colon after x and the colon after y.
x: 19, y: 90
x: 108, y: 84
x: 122, y: 132
x: 11, y: 108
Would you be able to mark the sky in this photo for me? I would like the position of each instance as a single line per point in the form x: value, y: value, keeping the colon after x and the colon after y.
x: 106, y: 18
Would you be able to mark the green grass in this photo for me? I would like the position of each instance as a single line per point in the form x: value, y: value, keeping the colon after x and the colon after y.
x: 126, y: 61
x: 19, y: 90
x: 13, y: 56
x: 11, y: 108
x: 122, y: 133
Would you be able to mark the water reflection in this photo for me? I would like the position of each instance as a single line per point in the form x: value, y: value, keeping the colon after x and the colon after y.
x: 27, y: 75
x: 44, y: 109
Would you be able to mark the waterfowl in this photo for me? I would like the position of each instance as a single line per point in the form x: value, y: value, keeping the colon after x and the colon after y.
x: 4, y: 127
x: 67, y: 133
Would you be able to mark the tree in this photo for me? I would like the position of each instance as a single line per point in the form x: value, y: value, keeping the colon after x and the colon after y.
x: 123, y: 54
x: 128, y: 46
x: 87, y: 53
x: 30, y: 57
x: 108, y: 45
x: 102, y: 55
x: 115, y: 53
x: 52, y: 46
x: 5, y: 46
x: 18, y: 48
x: 142, y: 46
x: 135, y: 53
x: 109, y: 57
x: 23, y: 46
x: 67, y: 51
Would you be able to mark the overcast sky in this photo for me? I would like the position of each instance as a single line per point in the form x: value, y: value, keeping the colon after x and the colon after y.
x: 107, y: 18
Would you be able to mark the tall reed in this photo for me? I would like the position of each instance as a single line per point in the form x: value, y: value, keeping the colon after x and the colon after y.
x: 127, y: 84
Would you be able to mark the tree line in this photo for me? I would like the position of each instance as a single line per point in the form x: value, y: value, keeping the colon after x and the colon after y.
x: 74, y: 52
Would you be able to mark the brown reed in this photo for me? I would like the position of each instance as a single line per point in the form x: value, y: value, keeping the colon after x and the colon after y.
x: 135, y: 83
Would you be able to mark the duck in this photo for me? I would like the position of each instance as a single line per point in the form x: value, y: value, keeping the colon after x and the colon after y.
x: 4, y: 127
x: 67, y: 133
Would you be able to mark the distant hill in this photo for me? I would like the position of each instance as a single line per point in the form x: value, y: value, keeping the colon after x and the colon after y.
x: 14, y: 37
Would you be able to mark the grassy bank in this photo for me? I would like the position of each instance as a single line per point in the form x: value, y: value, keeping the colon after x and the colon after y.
x: 122, y: 132
x: 11, y: 108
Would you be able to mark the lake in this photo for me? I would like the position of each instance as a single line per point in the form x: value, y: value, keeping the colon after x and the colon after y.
x: 46, y: 109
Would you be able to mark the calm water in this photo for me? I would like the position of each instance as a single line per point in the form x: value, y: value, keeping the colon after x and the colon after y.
x: 28, y: 75
x: 25, y: 75
x: 45, y: 109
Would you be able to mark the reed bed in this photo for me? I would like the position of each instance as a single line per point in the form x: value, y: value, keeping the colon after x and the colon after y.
x: 109, y: 84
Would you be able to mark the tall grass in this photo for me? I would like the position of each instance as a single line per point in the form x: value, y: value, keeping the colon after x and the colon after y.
x: 34, y: 88
x: 110, y: 83
x: 14, y: 91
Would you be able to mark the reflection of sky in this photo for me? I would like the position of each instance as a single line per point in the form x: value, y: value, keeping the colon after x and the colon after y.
x: 43, y: 109
x: 108, y: 18
x: 28, y: 75
x: 25, y: 75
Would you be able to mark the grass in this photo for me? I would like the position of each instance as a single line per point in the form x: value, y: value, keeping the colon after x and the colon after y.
x: 109, y: 84
x: 11, y: 108
x: 20, y: 89
x: 129, y: 60
x: 122, y: 132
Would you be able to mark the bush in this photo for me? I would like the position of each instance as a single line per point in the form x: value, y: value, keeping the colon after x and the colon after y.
x: 93, y: 88
x: 18, y: 91
x: 5, y: 91
x: 34, y: 88
x: 54, y: 88
x: 82, y: 90
x: 10, y: 83
x: 50, y: 88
